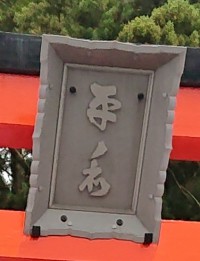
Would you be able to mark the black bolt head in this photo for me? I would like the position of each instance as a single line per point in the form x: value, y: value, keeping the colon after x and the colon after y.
x: 119, y: 222
x: 63, y: 218
x: 148, y: 238
x: 72, y: 89
x: 35, y: 233
x: 140, y: 96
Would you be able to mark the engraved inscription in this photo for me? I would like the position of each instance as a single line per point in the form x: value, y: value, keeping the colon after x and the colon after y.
x: 96, y: 186
x: 101, y: 107
x: 99, y: 112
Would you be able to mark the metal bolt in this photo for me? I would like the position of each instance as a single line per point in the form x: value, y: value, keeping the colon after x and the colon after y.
x: 72, y: 89
x: 119, y: 222
x: 63, y: 218
x: 140, y: 96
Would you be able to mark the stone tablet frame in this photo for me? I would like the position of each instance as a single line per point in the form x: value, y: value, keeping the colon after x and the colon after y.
x: 64, y: 93
x: 165, y: 64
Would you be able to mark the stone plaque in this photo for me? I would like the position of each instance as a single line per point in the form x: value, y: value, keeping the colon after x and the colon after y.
x: 120, y: 136
x: 102, y: 138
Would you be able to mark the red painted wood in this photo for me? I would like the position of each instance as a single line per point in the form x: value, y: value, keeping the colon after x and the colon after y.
x: 16, y: 135
x: 179, y: 241
x: 18, y: 100
x: 25, y: 259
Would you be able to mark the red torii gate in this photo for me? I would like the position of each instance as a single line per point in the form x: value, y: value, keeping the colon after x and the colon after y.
x: 179, y: 240
x: 18, y: 100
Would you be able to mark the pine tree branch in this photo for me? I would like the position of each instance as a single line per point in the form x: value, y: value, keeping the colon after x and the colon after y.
x: 183, y: 189
x: 20, y: 159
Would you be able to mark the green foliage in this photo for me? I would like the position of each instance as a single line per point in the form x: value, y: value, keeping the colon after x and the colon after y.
x: 46, y: 17
x: 178, y: 22
x: 144, y: 7
x: 7, y: 13
x: 114, y: 16
x: 181, y: 199
x: 6, y: 16
x: 15, y: 164
x: 141, y: 30
x: 92, y: 19
x: 175, y: 22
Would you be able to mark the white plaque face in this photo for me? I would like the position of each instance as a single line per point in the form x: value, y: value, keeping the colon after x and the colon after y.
x: 116, y: 96
x: 102, y: 138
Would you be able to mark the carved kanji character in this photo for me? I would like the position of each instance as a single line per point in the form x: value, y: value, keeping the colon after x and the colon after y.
x: 92, y: 180
x: 100, y: 107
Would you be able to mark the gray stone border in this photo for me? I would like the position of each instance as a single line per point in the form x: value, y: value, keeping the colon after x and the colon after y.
x: 165, y: 61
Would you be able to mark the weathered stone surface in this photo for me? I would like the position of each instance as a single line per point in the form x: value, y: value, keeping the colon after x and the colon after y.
x: 102, y: 138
